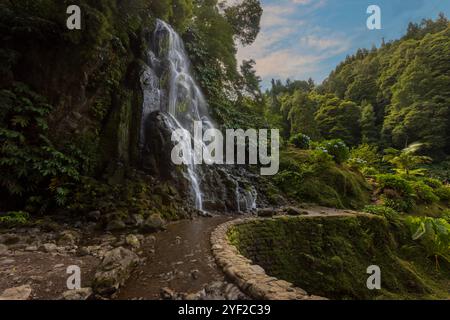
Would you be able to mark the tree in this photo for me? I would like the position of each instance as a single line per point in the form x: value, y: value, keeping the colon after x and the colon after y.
x: 340, y: 119
x: 368, y: 127
x: 300, y: 109
x: 245, y: 19
x: 251, y: 81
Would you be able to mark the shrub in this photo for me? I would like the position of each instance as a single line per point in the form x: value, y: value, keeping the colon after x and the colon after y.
x: 433, y: 183
x: 29, y: 161
x: 337, y: 149
x: 443, y: 193
x: 300, y: 141
x: 369, y: 172
x: 364, y: 156
x: 312, y: 176
x: 14, y: 218
x: 397, y: 193
x: 446, y: 215
x: 424, y: 193
x: 383, y: 211
x: 396, y: 183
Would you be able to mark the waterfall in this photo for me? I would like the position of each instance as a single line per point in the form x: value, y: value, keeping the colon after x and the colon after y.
x: 180, y: 96
x: 169, y: 87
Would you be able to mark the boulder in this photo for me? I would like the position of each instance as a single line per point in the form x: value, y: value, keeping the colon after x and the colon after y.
x: 67, y: 238
x: 154, y: 223
x: 17, y: 293
x: 267, y: 213
x: 9, y: 239
x: 31, y: 248
x: 94, y: 216
x: 137, y: 220
x: 292, y: 211
x: 114, y: 270
x: 167, y: 294
x: 79, y: 294
x: 3, y: 249
x: 48, y: 247
x: 132, y: 241
x: 115, y: 225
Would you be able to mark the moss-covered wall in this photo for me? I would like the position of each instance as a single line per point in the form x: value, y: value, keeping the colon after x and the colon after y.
x: 89, y: 76
x: 329, y: 256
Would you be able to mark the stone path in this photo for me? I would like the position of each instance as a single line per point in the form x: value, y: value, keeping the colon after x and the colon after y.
x: 180, y: 265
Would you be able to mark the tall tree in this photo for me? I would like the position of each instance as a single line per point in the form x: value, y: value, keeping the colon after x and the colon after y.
x: 245, y: 18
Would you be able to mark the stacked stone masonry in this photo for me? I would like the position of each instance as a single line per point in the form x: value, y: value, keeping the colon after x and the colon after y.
x: 250, y: 278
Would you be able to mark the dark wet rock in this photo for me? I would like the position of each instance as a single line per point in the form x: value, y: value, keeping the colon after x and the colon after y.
x: 68, y: 238
x: 292, y: 211
x: 154, y: 223
x: 151, y: 240
x: 115, y: 225
x: 48, y: 247
x: 84, y: 251
x: 267, y: 213
x: 79, y: 294
x: 156, y: 154
x: 17, y: 246
x: 195, y: 274
x: 9, y: 239
x: 136, y: 220
x: 167, y: 294
x: 94, y: 216
x: 114, y: 270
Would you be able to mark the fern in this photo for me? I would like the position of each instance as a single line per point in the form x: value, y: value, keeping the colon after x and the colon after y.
x: 434, y: 235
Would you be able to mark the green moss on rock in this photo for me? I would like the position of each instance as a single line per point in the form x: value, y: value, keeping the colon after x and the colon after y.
x: 329, y: 256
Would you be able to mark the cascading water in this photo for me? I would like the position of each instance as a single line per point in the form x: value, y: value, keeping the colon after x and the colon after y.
x: 169, y: 87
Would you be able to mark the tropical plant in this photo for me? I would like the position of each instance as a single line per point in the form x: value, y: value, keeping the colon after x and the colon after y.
x: 407, y: 161
x: 434, y: 235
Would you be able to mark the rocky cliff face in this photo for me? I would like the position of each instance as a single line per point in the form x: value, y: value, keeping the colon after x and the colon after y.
x: 173, y: 100
x: 117, y: 89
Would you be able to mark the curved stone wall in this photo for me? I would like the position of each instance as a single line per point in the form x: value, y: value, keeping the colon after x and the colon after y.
x: 251, y: 278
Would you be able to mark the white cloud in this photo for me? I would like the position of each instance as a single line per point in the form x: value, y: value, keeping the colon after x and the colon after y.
x: 285, y: 64
x: 336, y: 44
x: 289, y: 46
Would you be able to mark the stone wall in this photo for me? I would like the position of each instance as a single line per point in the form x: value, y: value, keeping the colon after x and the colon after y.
x: 326, y: 255
x: 250, y: 278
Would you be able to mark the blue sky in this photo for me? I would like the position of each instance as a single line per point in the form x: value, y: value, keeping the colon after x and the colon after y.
x: 308, y: 38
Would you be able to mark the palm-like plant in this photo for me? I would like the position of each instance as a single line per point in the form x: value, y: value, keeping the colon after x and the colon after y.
x: 434, y: 235
x: 406, y: 161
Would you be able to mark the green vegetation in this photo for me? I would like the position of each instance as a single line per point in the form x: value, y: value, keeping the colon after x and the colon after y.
x: 14, y: 219
x: 313, y: 176
x: 434, y: 236
x: 329, y: 256
x: 78, y: 120
x: 31, y: 164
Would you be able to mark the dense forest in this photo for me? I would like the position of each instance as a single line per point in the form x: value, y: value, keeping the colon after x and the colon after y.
x: 373, y: 137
